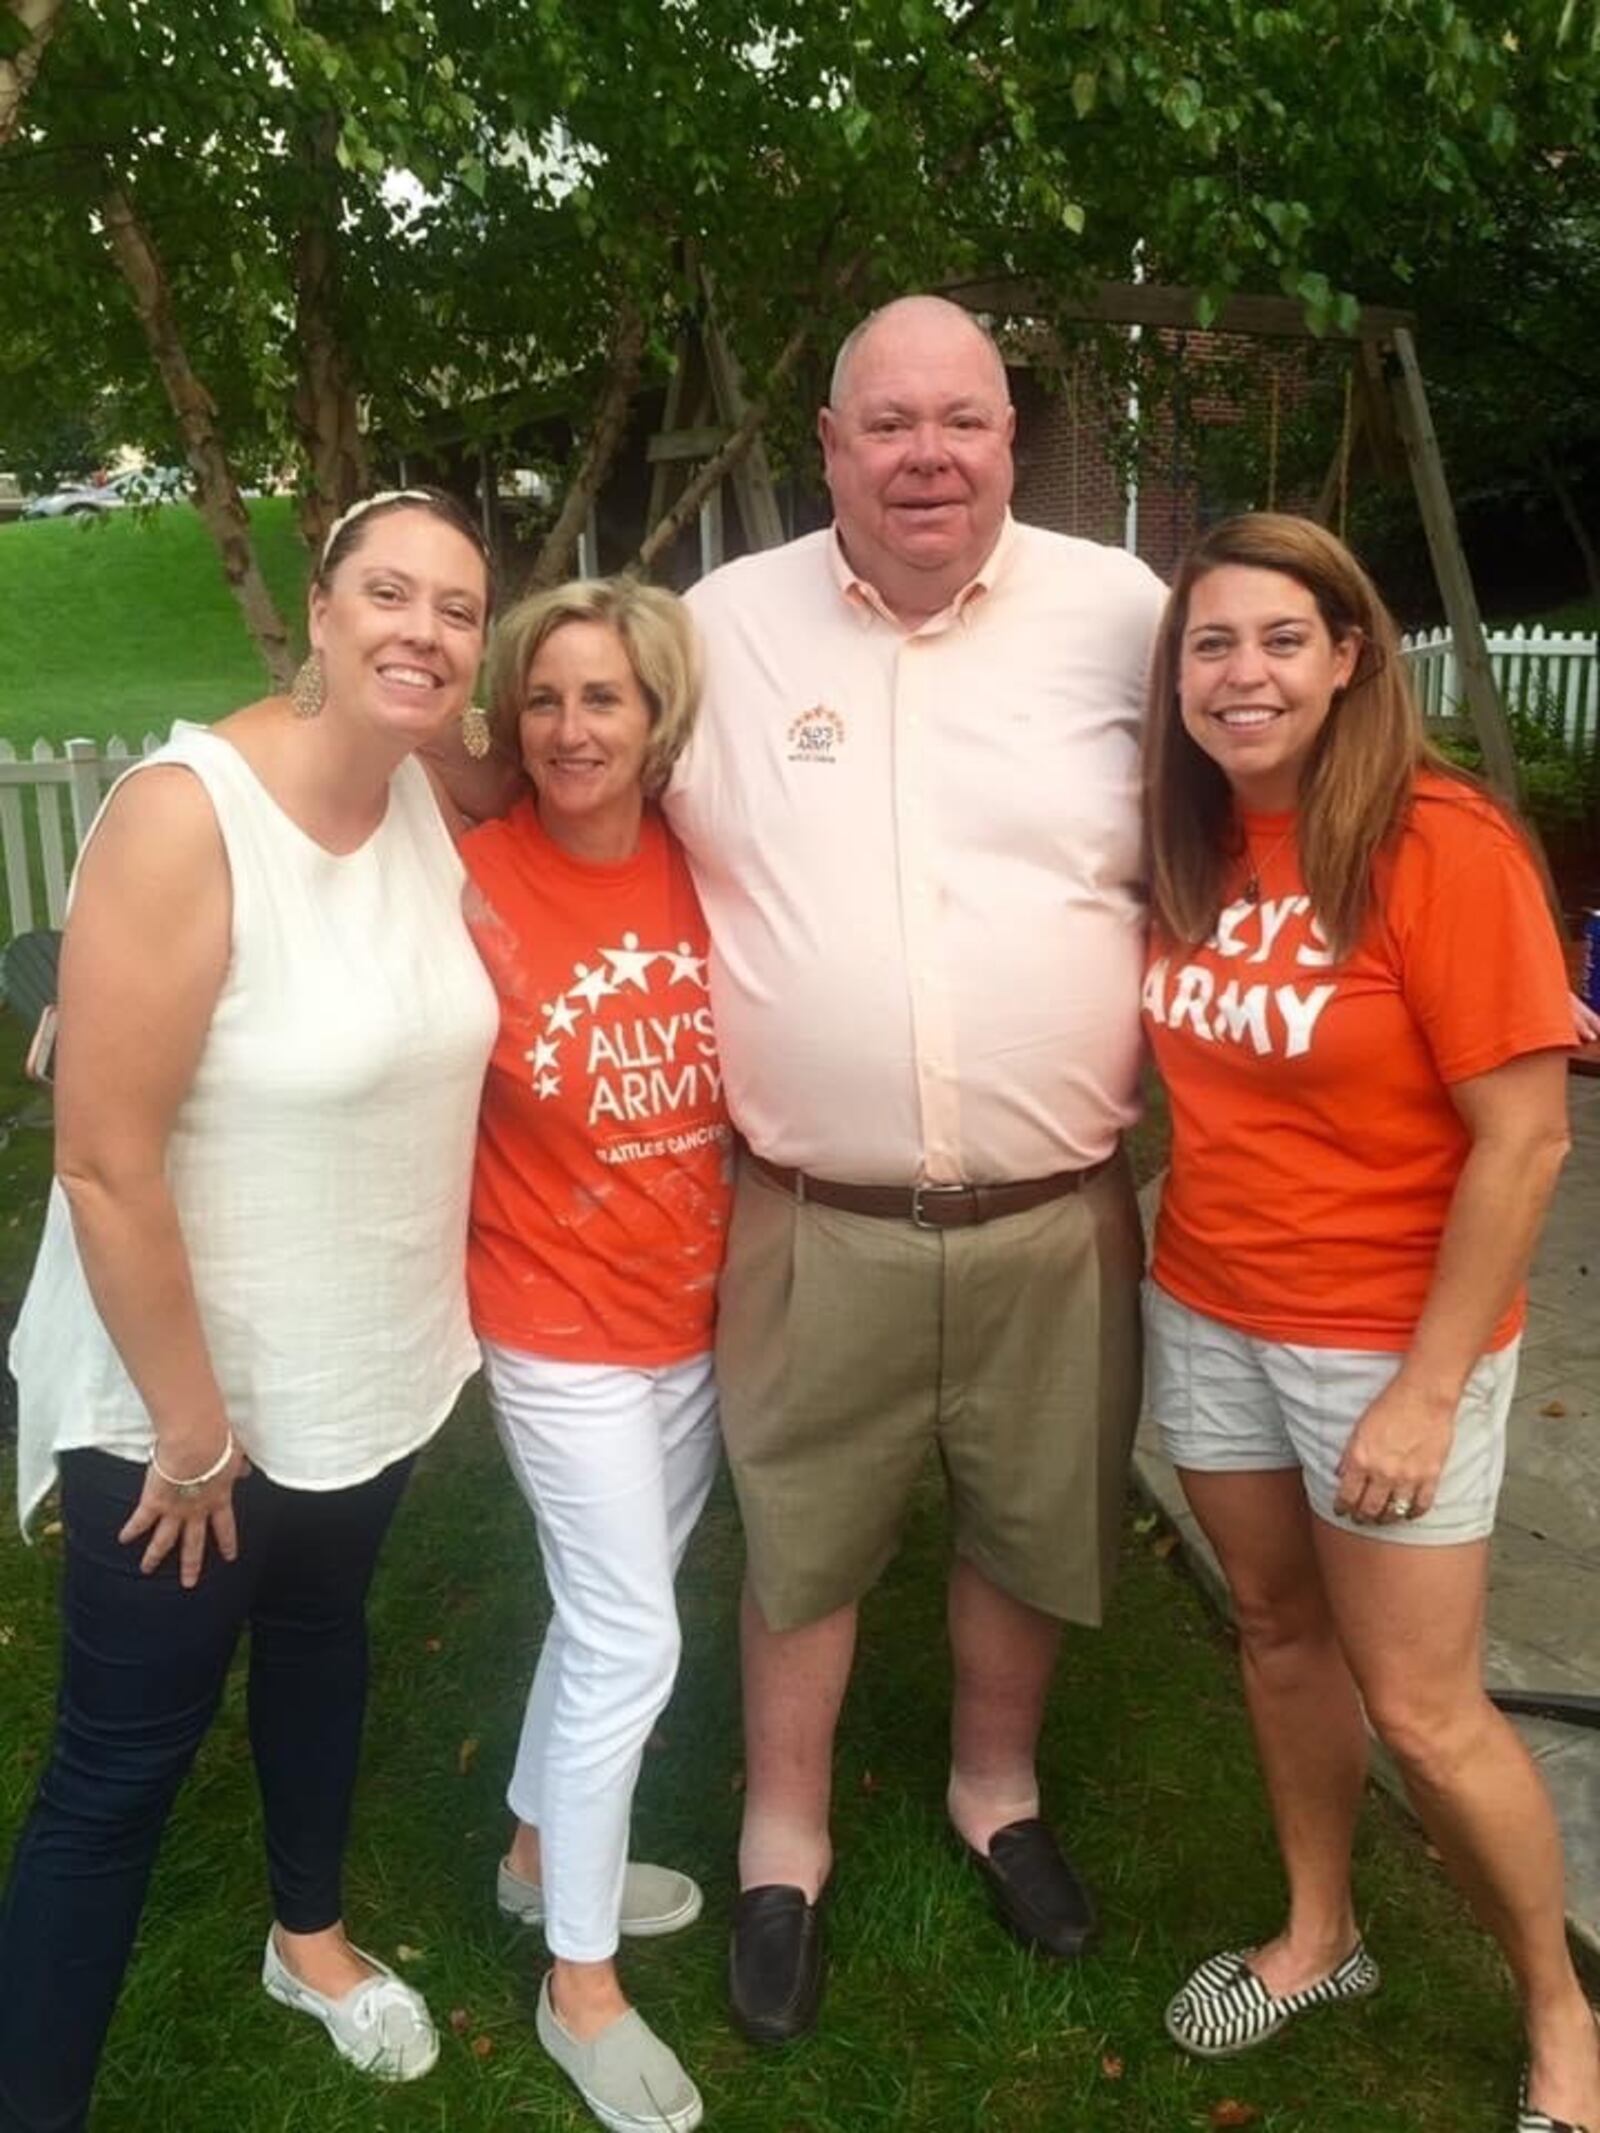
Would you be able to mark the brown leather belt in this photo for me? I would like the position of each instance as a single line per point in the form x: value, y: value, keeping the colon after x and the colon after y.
x: 930, y: 1206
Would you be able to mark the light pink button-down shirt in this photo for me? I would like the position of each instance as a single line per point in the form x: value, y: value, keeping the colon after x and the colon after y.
x: 919, y: 854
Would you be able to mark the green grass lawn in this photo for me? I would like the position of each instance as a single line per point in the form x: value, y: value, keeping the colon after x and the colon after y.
x: 120, y: 625
x: 24, y: 1163
x: 933, y: 2019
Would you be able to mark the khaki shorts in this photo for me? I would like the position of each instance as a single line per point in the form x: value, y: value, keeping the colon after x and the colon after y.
x: 848, y: 1344
x: 1227, y: 1403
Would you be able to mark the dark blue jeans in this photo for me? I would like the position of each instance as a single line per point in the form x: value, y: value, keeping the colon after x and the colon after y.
x: 143, y: 1665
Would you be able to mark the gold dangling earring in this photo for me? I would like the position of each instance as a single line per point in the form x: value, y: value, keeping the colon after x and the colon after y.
x: 308, y: 692
x: 475, y: 736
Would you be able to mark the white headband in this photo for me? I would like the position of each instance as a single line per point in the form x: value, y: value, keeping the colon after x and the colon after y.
x: 365, y: 504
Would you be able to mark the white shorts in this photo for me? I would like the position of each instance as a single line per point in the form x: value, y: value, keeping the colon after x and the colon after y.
x: 1225, y: 1402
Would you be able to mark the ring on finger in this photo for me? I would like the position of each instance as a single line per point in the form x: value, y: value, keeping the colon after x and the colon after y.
x: 1401, y: 1506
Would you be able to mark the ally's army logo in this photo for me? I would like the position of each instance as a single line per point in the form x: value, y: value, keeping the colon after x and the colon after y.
x: 1275, y: 1016
x: 645, y: 1059
x: 816, y: 736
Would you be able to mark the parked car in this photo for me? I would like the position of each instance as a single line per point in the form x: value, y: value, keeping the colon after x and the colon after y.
x: 88, y: 499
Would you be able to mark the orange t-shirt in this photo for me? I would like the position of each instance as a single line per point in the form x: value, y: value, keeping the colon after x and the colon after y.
x: 1315, y: 1147
x: 601, y: 1192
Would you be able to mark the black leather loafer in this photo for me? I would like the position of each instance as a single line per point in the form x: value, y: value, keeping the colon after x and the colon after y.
x: 1036, y: 1890
x: 775, y: 1963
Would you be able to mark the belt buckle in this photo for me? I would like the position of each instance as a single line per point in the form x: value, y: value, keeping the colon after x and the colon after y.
x: 922, y: 1192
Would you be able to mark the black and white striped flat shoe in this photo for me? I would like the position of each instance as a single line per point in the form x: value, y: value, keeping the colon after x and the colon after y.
x: 1224, y: 2008
x: 1531, y: 2121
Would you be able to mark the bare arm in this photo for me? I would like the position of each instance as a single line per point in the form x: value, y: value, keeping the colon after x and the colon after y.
x: 142, y: 965
x: 1517, y: 1118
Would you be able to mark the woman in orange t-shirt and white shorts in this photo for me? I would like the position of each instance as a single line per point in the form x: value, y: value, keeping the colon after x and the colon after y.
x: 1356, y: 1000
x: 599, y: 1209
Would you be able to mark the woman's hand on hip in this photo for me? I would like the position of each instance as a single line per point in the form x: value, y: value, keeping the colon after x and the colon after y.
x: 182, y: 1517
x: 1396, y: 1453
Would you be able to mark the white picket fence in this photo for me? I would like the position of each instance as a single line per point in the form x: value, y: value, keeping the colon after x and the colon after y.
x: 47, y: 802
x: 1548, y: 675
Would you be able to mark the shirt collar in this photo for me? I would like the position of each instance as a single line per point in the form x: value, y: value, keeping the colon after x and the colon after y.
x: 868, y: 602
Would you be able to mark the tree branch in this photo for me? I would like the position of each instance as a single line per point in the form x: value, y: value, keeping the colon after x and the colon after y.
x: 1561, y: 489
x: 217, y: 493
x: 610, y: 423
x: 325, y: 413
x: 39, y: 19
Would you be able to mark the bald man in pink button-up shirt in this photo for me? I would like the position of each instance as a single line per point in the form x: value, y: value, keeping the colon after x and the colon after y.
x: 912, y: 810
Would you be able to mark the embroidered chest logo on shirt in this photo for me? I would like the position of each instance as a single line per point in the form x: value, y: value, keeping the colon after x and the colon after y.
x: 816, y: 736
x: 636, y: 1028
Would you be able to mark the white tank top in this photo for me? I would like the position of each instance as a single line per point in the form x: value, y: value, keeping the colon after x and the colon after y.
x: 320, y: 1161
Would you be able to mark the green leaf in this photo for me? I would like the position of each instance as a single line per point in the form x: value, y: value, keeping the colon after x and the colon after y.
x: 1183, y: 102
x: 856, y: 123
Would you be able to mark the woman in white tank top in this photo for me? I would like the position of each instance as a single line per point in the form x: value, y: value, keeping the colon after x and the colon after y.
x: 249, y: 1310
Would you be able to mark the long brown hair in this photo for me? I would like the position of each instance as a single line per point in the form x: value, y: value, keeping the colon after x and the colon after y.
x: 1359, y: 775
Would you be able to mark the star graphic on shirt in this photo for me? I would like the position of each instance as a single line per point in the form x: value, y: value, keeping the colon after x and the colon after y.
x: 591, y: 986
x: 548, y: 1085
x: 629, y: 963
x: 543, y: 1055
x: 562, y: 1017
x: 686, y: 967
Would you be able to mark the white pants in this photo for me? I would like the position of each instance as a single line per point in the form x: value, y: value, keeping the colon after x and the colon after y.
x: 616, y: 1465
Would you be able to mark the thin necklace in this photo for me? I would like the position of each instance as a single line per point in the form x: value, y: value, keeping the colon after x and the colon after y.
x: 1258, y: 867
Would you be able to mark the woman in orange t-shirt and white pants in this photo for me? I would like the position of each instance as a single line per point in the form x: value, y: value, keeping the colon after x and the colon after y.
x: 1356, y: 999
x: 599, y: 1208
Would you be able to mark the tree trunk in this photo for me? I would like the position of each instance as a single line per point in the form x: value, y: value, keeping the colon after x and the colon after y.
x: 38, y: 19
x: 1566, y: 503
x: 216, y: 492
x: 554, y: 559
x: 325, y: 412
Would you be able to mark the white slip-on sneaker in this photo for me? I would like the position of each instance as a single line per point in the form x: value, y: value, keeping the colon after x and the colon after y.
x: 655, y: 1899
x: 628, y: 2079
x: 381, y: 2025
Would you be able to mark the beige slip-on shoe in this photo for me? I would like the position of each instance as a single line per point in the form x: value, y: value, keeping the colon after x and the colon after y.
x: 628, y: 2079
x: 655, y: 1899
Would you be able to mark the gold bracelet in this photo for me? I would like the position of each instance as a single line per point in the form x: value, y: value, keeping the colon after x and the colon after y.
x: 195, y: 1482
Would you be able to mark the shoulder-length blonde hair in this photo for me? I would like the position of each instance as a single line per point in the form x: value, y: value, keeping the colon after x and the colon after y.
x: 1358, y: 779
x: 657, y: 634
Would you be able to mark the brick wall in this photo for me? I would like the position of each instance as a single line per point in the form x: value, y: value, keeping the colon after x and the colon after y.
x: 1067, y: 472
